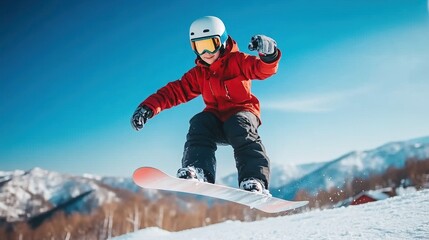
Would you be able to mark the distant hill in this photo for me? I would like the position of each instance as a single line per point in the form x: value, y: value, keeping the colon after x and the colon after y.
x: 28, y: 194
x: 280, y: 174
x: 356, y: 164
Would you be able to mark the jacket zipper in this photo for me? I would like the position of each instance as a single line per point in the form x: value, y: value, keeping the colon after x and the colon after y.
x: 227, y: 92
x: 211, y: 89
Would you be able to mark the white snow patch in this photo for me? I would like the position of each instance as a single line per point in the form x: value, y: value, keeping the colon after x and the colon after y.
x: 152, y: 232
x: 353, y: 162
x: 3, y: 207
x: 92, y: 176
x: 404, y: 191
x: 402, y: 217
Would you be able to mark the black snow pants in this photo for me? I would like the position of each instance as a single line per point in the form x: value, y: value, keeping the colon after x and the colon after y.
x: 239, y: 131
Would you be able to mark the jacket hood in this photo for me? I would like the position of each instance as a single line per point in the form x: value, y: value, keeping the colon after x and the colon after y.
x: 231, y: 46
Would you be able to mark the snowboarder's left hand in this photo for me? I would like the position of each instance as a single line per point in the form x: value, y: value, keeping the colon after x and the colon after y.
x: 140, y: 117
x: 263, y: 44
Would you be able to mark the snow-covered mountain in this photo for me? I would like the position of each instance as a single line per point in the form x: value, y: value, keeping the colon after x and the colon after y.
x: 402, y: 217
x: 356, y: 164
x: 287, y: 179
x: 27, y: 194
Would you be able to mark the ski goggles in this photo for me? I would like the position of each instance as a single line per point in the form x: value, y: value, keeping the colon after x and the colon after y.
x: 207, y: 44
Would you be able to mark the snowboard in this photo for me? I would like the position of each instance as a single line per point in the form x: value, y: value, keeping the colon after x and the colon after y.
x: 152, y: 178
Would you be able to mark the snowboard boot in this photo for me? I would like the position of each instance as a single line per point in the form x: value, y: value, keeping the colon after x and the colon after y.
x: 254, y: 185
x: 192, y: 173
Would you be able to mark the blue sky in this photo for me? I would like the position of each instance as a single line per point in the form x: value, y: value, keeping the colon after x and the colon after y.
x: 354, y: 75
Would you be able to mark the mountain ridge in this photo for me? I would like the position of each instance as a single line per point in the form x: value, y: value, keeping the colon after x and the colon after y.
x: 357, y: 164
x: 25, y: 194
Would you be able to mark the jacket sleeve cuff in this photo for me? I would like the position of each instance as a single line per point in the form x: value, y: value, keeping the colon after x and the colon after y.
x: 270, y: 58
x: 155, y: 110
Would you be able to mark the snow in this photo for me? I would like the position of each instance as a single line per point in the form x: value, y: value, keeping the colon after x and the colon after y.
x: 152, y: 232
x: 92, y: 176
x: 377, y: 195
x: 39, y: 189
x: 401, y: 217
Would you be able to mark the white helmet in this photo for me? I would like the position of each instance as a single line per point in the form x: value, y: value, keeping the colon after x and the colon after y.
x: 208, y: 26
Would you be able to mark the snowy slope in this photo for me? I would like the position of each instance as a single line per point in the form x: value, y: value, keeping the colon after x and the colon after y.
x: 355, y: 164
x: 25, y: 194
x: 403, y: 217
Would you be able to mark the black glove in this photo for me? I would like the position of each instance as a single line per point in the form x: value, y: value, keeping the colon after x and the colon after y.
x: 140, y: 117
x: 263, y: 44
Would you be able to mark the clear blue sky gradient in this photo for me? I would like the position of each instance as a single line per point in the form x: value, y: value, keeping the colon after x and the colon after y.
x: 354, y: 75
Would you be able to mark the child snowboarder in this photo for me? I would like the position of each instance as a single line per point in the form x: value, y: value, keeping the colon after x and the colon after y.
x: 222, y: 76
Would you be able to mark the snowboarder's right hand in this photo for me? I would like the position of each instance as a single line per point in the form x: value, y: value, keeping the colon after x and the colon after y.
x: 140, y: 117
x: 263, y: 44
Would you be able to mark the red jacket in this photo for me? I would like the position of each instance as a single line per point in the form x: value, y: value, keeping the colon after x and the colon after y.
x: 225, y: 85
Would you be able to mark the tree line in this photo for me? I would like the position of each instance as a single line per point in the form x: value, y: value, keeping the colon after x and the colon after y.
x: 174, y: 212
x: 415, y: 173
x: 170, y: 212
